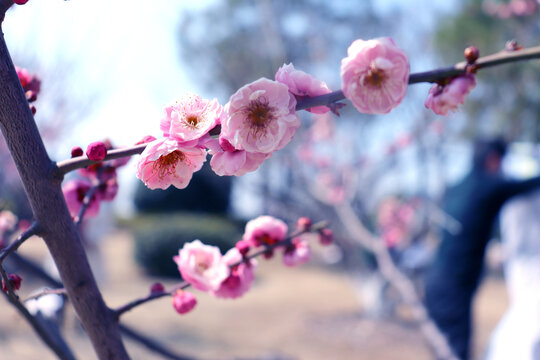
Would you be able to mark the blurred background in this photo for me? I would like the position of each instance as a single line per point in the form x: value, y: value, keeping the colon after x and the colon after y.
x: 109, y: 68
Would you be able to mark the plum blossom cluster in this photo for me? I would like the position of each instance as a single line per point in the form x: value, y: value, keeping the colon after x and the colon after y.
x: 231, y: 275
x: 96, y: 183
x: 31, y: 84
x: 395, y: 220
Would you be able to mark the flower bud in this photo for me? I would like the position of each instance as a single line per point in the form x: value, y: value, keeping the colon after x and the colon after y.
x: 183, y: 301
x: 20, y: 2
x: 471, y: 54
x: 76, y: 151
x: 157, y: 288
x: 96, y: 151
x: 326, y: 236
x: 15, y: 282
x: 243, y: 247
x: 304, y: 223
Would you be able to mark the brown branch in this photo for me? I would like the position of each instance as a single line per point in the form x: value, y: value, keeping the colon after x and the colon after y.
x: 56, y: 344
x: 46, y: 292
x: 63, y: 167
x: 42, y: 187
x: 396, y: 278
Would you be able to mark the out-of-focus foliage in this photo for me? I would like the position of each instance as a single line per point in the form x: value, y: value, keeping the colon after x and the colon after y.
x: 158, y: 237
x: 505, y: 101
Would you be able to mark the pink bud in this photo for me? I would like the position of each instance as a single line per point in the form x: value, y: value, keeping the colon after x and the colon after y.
x: 268, y: 254
x: 33, y: 109
x: 183, y: 301
x: 76, y: 151
x: 157, y: 288
x: 243, y: 247
x: 31, y: 95
x: 20, y: 2
x: 304, y: 223
x: 326, y: 236
x: 15, y: 282
x: 96, y: 151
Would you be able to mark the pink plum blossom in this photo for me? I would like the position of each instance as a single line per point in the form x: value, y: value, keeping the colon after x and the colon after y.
x: 74, y: 194
x: 165, y: 162
x: 265, y: 230
x: 8, y: 221
x: 303, y: 85
x: 444, y: 98
x: 241, y: 276
x: 191, y: 117
x: 261, y: 117
x: 298, y: 253
x: 28, y: 81
x: 201, y: 265
x: 183, y: 301
x: 375, y: 75
x: 228, y: 161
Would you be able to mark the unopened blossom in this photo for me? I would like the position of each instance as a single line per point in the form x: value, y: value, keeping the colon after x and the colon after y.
x: 14, y: 280
x: 183, y: 301
x: 28, y: 81
x: 165, y: 162
x: 374, y: 75
x: 265, y: 230
x: 74, y: 193
x: 228, y: 161
x: 201, y: 265
x: 261, y: 117
x: 297, y: 253
x: 96, y: 151
x: 303, y: 85
x: 326, y: 236
x: 240, y: 278
x: 191, y: 117
x: 444, y: 98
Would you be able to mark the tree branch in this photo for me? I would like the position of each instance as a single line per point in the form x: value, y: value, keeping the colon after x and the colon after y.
x: 183, y: 285
x: 31, y: 231
x: 42, y: 188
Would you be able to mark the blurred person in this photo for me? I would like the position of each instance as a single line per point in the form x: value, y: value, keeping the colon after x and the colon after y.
x: 455, y: 274
x: 517, y: 335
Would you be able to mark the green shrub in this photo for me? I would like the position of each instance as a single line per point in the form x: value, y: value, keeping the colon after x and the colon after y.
x: 158, y: 238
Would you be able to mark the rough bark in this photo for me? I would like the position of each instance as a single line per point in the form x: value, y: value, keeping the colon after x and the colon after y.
x: 42, y: 185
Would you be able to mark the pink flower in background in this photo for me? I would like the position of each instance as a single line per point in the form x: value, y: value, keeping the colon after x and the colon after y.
x: 201, y: 265
x: 74, y: 193
x: 302, y: 85
x: 241, y: 276
x: 14, y: 280
x: 8, y: 221
x: 191, y: 117
x: 28, y: 81
x: 165, y: 162
x: 442, y: 99
x: 375, y: 75
x: 261, y: 117
x: 183, y: 301
x: 298, y: 253
x: 265, y: 230
x: 228, y: 161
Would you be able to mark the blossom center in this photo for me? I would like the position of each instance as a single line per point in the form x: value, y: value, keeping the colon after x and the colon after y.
x: 166, y: 164
x: 192, y: 120
x: 259, y: 113
x: 374, y: 77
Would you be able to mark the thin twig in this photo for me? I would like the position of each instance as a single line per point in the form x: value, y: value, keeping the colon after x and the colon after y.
x: 31, y: 231
x: 56, y: 344
x: 60, y: 291
x: 85, y: 204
